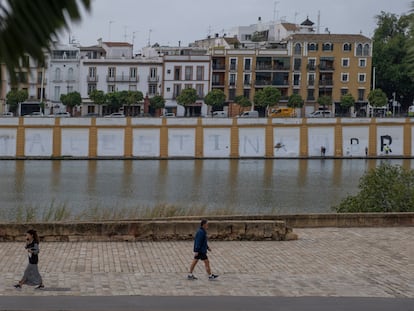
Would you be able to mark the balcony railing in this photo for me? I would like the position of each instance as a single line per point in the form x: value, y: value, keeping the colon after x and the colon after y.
x: 153, y: 79
x: 122, y: 79
x: 326, y: 68
x: 92, y: 79
x: 219, y: 67
x: 325, y: 83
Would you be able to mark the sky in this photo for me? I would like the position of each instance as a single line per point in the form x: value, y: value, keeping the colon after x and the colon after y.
x: 168, y: 22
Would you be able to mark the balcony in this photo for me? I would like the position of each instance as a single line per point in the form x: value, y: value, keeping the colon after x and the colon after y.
x: 121, y: 78
x: 218, y: 83
x: 219, y: 67
x: 92, y: 79
x: 311, y: 67
x: 325, y: 83
x: 153, y: 79
x: 326, y: 67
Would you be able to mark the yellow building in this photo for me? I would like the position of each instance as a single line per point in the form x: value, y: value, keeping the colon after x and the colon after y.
x: 310, y: 64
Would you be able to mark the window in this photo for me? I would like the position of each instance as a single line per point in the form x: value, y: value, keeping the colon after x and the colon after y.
x: 111, y: 72
x: 57, y: 74
x: 153, y: 73
x: 152, y: 89
x: 232, y: 79
x: 311, y: 94
x: 168, y: 89
x: 69, y: 89
x: 362, y: 62
x: 188, y: 86
x: 177, y: 90
x: 177, y: 73
x: 345, y: 62
x: 91, y: 87
x: 347, y: 47
x: 200, y: 73
x: 312, y: 47
x: 344, y: 77
x: 232, y: 94
x: 361, y: 94
x: 298, y: 49
x: 359, y: 50
x: 168, y: 71
x: 188, y: 73
x: 70, y: 74
x: 296, y: 79
x: 295, y: 91
x: 311, y: 64
x: 200, y: 90
x: 133, y: 72
x: 92, y: 72
x: 296, y: 63
x: 344, y: 91
x: 247, y: 79
x: 246, y: 93
x: 327, y: 46
x: 111, y: 88
x: 57, y: 93
x: 361, y: 77
x: 311, y: 79
x: 366, y: 50
x: 233, y: 63
x: 247, y: 64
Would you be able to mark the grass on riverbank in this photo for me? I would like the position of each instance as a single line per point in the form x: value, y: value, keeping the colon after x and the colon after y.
x: 62, y: 213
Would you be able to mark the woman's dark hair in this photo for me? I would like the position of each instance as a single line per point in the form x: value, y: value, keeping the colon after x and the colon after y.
x: 203, y: 222
x: 33, y: 233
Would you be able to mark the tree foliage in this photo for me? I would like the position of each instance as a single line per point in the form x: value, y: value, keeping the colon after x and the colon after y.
x: 187, y: 97
x: 325, y: 100
x: 295, y: 101
x: 267, y: 97
x: 347, y: 101
x: 71, y: 99
x: 98, y: 97
x: 28, y: 26
x: 215, y: 98
x: 377, y: 98
x: 14, y: 97
x: 157, y: 102
x: 386, y: 188
x: 392, y: 42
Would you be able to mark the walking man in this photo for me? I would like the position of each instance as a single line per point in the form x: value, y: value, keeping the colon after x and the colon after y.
x: 200, y: 251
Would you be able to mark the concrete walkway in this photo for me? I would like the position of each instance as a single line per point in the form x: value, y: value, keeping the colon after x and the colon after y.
x: 327, y: 262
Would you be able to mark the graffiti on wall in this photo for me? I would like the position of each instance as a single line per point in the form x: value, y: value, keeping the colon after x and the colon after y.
x: 252, y: 142
x: 355, y: 141
x: 390, y: 140
x: 286, y: 142
x: 7, y: 143
x: 216, y: 142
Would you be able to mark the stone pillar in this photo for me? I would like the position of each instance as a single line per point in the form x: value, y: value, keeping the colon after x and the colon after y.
x: 269, y: 139
x: 128, y: 138
x: 234, y: 139
x: 199, y: 139
x: 93, y: 139
x: 57, y: 139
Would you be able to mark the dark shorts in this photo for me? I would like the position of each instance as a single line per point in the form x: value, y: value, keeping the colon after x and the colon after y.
x: 202, y: 256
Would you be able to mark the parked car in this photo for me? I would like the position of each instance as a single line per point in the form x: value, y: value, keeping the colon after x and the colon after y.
x: 321, y: 114
x: 61, y: 115
x: 168, y: 115
x: 250, y: 114
x: 92, y: 115
x: 35, y: 114
x: 115, y: 115
x: 7, y: 114
x: 220, y: 114
x: 282, y: 112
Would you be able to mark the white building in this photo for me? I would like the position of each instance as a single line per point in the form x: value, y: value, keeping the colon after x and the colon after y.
x: 111, y: 67
x: 62, y: 75
x: 186, y: 71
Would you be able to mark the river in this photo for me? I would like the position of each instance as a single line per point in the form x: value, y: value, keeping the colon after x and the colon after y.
x: 238, y: 186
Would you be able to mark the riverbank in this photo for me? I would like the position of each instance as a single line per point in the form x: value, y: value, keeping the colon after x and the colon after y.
x: 272, y: 227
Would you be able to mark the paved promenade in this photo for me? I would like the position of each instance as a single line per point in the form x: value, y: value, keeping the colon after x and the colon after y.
x: 328, y: 262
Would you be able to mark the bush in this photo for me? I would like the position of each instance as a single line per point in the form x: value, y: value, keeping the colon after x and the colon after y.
x: 386, y: 188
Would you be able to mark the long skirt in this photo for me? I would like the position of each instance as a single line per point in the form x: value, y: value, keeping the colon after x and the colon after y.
x: 31, y: 275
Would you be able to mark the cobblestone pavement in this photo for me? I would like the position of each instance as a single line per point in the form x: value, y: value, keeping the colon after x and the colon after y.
x: 354, y: 262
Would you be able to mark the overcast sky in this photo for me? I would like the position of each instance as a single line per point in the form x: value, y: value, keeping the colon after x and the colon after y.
x: 169, y: 21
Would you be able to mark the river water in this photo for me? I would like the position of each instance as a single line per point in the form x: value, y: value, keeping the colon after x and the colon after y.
x: 241, y: 186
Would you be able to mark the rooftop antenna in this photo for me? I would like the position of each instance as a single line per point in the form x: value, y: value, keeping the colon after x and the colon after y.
x: 209, y: 31
x: 275, y: 12
x: 319, y: 22
x: 296, y: 14
x: 125, y: 33
x: 149, y: 37
x: 110, y: 24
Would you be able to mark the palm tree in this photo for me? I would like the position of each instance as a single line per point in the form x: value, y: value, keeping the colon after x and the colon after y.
x: 28, y: 26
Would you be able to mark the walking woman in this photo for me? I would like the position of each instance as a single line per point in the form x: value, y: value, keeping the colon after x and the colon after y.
x: 31, y: 274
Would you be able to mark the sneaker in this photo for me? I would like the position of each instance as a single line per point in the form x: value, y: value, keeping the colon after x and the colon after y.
x: 18, y: 286
x: 191, y: 277
x: 41, y: 286
x: 213, y: 277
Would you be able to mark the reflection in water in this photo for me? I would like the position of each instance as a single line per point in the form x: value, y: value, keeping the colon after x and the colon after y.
x: 285, y: 186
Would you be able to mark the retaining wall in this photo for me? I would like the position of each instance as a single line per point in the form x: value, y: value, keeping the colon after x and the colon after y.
x: 162, y: 138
